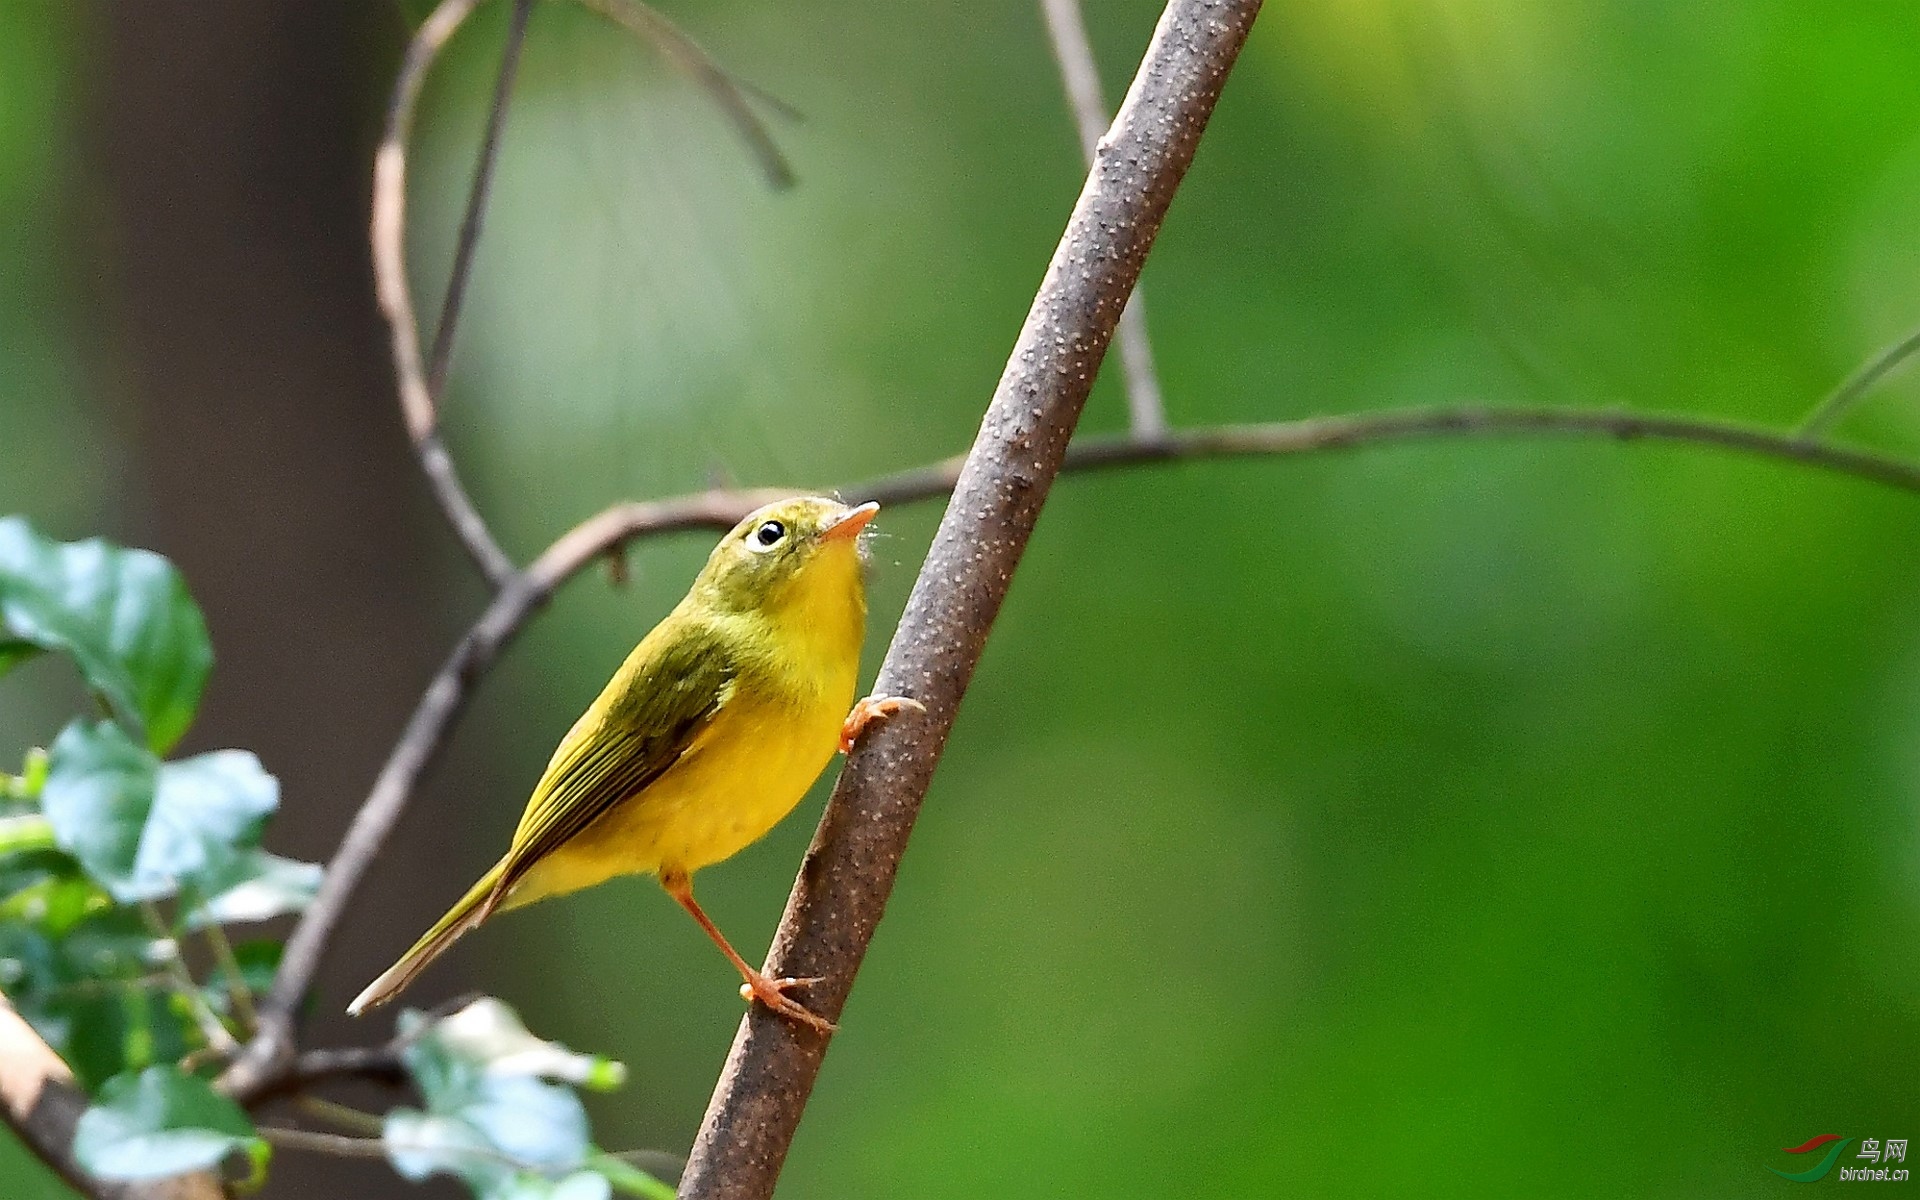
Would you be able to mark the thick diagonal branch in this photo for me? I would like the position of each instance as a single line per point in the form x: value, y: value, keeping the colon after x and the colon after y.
x: 849, y: 871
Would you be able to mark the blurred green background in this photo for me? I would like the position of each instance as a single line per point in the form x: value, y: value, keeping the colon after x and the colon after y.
x: 1449, y: 819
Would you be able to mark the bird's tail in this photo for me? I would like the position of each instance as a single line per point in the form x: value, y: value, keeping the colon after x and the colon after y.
x: 474, y: 907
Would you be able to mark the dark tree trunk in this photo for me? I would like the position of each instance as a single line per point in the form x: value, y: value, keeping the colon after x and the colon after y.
x: 234, y: 143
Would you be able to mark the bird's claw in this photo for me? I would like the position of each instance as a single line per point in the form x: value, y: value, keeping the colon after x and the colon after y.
x: 866, y: 711
x: 773, y: 994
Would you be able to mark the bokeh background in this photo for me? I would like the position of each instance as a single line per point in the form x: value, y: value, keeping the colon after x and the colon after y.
x: 1452, y: 819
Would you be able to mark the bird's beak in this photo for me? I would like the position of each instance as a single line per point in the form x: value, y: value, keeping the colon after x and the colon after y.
x: 850, y: 523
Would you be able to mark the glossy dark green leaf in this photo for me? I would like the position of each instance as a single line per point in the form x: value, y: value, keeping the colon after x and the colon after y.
x: 141, y: 827
x: 54, y: 902
x: 123, y: 615
x: 88, y: 975
x: 107, y: 1030
x: 160, y: 1123
x: 13, y: 653
x: 258, y: 886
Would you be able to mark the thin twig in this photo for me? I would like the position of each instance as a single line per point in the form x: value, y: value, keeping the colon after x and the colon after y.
x: 441, y: 359
x: 849, y: 870
x: 611, y: 528
x: 1858, y: 384
x: 383, y: 1064
x: 270, y: 1052
x: 372, y: 1064
x: 1067, y: 30
x: 732, y: 96
x: 395, y: 292
x: 340, y: 1145
x: 219, y: 1038
x: 345, y: 1116
x: 229, y: 965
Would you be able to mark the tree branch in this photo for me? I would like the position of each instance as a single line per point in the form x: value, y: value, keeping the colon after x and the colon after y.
x: 1067, y: 30
x: 849, y: 871
x: 609, y: 530
x: 732, y: 97
x: 1857, y: 385
x: 475, y: 215
x: 418, y: 399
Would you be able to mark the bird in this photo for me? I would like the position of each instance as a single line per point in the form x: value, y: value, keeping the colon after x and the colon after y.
x: 709, y: 733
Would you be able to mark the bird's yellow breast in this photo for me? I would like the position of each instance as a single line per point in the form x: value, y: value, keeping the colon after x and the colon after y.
x: 775, y: 732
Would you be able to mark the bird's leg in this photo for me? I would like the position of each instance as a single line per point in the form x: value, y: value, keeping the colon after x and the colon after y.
x: 770, y: 992
x: 867, y: 710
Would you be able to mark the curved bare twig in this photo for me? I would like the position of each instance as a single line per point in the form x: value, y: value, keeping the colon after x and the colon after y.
x: 608, y: 530
x: 468, y: 240
x: 418, y: 401
x: 1067, y: 29
x: 1855, y: 387
x: 729, y: 94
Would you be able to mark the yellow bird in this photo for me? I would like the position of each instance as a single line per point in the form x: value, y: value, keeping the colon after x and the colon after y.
x: 710, y: 732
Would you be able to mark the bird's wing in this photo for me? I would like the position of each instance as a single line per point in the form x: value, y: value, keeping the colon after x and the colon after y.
x: 651, y: 714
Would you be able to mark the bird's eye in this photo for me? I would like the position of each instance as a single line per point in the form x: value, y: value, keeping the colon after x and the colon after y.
x: 767, y: 536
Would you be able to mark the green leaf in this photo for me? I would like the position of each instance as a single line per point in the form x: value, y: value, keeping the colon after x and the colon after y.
x: 161, y: 1123
x: 108, y: 1029
x: 124, y: 616
x: 25, y: 787
x: 141, y: 827
x: 421, y: 1144
x: 530, y: 1121
x: 25, y: 832
x: 493, y: 1117
x: 88, y: 975
x: 257, y: 887
x: 581, y: 1185
x: 55, y: 902
x: 258, y: 961
x: 629, y: 1179
x: 489, y: 1033
x: 13, y: 653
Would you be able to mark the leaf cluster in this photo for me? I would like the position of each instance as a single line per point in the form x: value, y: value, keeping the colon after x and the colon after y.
x: 121, y: 871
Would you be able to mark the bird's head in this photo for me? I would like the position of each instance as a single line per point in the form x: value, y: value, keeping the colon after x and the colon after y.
x: 788, y: 550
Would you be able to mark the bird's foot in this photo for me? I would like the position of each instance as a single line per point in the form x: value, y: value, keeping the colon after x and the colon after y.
x: 870, y: 709
x: 773, y: 994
